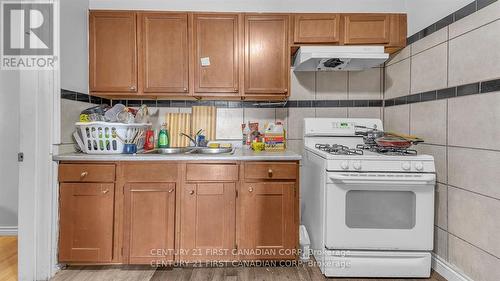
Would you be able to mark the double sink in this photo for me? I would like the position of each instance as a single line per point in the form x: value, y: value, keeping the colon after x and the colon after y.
x: 190, y: 150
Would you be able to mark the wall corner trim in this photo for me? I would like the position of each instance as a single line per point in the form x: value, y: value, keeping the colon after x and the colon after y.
x: 8, y: 230
x: 448, y: 271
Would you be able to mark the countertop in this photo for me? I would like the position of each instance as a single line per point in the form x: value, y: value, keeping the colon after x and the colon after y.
x: 238, y: 155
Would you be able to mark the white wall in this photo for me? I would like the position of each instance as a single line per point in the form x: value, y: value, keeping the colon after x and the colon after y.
x: 422, y: 13
x: 74, y: 54
x: 255, y: 5
x: 9, y: 135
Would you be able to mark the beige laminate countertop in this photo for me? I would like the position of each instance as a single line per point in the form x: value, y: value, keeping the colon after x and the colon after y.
x: 238, y: 155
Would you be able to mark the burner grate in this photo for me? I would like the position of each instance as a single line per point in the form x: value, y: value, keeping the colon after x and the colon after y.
x: 338, y: 149
x: 387, y: 150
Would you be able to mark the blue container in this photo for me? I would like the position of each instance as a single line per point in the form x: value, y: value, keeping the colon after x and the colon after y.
x: 130, y: 148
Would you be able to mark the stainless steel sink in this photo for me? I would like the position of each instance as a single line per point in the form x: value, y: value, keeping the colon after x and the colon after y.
x: 208, y: 150
x: 170, y: 150
x: 189, y: 150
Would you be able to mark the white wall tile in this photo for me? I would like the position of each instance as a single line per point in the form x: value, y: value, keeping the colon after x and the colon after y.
x: 441, y: 208
x: 303, y: 85
x: 429, y: 69
x: 296, y: 146
x: 473, y: 121
x: 474, y: 218
x: 397, y: 119
x: 185, y: 110
x: 365, y: 112
x: 475, y: 20
x: 229, y: 122
x: 428, y: 121
x: 296, y: 121
x: 158, y: 115
x: 429, y: 41
x: 399, y: 56
x: 366, y: 84
x: 474, y: 56
x: 331, y: 85
x: 397, y: 79
x: 439, y: 154
x: 475, y: 170
x: 70, y: 114
x: 474, y: 262
x: 441, y: 243
x: 331, y: 112
x: 261, y: 115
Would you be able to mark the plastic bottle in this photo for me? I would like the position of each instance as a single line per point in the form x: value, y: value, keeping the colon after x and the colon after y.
x: 163, y: 141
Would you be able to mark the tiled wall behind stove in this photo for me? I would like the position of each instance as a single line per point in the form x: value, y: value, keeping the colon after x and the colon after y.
x: 461, y: 127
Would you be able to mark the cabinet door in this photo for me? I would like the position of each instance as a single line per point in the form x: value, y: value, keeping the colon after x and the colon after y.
x: 86, y: 222
x: 366, y: 29
x: 164, y: 52
x: 215, y: 39
x: 149, y: 222
x: 316, y: 28
x: 208, y: 221
x: 267, y: 226
x: 267, y: 67
x: 112, y: 52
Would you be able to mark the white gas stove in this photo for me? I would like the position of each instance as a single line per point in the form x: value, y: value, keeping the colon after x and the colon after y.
x: 369, y: 211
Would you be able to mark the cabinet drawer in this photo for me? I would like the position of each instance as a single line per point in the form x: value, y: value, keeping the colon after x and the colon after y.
x: 271, y: 170
x: 86, y: 173
x: 211, y: 172
x: 150, y: 172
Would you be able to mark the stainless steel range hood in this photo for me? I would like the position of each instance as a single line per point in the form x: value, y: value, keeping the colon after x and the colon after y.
x: 338, y: 58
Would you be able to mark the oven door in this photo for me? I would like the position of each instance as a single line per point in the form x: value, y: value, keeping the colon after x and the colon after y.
x: 379, y: 211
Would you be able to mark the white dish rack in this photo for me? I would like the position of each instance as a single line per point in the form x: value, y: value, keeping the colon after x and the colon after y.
x: 108, y: 138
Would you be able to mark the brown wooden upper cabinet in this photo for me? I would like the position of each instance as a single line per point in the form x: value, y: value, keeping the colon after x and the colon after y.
x: 267, y: 67
x: 366, y: 29
x: 316, y: 28
x: 112, y: 52
x: 216, y: 53
x: 164, y: 53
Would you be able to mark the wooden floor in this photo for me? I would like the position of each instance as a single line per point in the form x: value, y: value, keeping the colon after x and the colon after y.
x: 8, y: 258
x: 137, y: 273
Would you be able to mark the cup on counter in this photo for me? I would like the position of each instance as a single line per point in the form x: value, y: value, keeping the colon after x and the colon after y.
x: 129, y: 148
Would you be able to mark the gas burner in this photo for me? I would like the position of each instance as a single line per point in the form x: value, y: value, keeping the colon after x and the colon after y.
x: 387, y: 150
x: 338, y: 149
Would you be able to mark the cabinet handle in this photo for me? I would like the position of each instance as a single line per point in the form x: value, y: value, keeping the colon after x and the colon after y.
x: 171, y: 190
x: 250, y: 189
x: 185, y: 89
x: 84, y: 174
x: 270, y: 173
x: 132, y: 88
x: 286, y: 90
x: 105, y: 191
x: 191, y: 192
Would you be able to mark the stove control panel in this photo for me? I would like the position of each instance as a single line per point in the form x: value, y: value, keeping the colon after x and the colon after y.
x: 418, y: 166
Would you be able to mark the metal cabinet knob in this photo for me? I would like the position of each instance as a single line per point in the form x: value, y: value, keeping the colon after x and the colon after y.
x: 84, y: 174
x: 105, y: 191
x: 191, y: 192
x: 171, y: 190
x: 270, y: 173
x: 132, y: 88
x: 250, y: 189
x: 185, y: 89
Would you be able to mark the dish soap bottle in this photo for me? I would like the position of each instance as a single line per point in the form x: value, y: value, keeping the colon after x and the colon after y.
x: 163, y: 137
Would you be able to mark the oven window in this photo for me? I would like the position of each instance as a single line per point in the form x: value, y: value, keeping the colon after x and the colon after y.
x: 380, y: 209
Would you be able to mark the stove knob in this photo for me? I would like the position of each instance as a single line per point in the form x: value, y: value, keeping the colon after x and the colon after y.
x: 344, y: 165
x: 419, y: 166
x: 357, y: 165
x: 406, y: 166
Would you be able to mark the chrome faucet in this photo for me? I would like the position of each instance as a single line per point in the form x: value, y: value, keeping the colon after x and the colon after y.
x: 193, y: 140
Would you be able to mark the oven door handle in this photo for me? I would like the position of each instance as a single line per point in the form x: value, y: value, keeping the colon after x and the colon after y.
x: 420, y: 179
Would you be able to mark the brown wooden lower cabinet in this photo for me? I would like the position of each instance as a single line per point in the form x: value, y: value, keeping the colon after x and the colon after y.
x: 86, y: 222
x: 268, y: 228
x: 208, y: 229
x: 160, y: 212
x: 149, y: 223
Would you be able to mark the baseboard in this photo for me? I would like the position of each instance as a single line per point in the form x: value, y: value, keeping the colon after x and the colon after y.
x: 447, y: 270
x: 8, y: 230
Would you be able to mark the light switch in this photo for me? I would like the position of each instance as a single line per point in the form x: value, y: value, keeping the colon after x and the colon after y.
x: 205, y: 61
